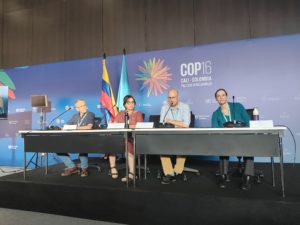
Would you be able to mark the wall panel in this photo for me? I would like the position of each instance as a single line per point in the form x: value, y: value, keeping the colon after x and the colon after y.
x: 274, y: 17
x: 48, y: 31
x: 169, y: 24
x: 17, y: 38
x: 123, y: 26
x: 83, y: 29
x: 221, y: 20
x: 42, y: 31
x: 16, y: 5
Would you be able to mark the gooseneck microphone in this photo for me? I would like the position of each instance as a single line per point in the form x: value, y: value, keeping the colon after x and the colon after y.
x: 167, y: 125
x: 234, y: 123
x: 126, y: 120
x: 171, y: 104
x: 233, y: 106
x: 67, y: 108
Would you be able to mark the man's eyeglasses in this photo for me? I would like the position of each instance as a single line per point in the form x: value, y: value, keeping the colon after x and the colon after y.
x: 172, y: 97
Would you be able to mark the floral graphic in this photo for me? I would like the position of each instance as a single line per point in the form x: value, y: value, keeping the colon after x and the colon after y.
x: 154, y: 76
x: 6, y: 81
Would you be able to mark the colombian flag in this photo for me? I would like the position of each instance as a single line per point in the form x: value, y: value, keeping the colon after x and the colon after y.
x: 107, y: 99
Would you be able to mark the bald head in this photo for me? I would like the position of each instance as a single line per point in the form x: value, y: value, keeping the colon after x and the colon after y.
x: 173, y: 97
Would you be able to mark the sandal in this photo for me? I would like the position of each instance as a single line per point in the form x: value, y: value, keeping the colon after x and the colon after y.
x: 114, y: 175
x: 130, y: 177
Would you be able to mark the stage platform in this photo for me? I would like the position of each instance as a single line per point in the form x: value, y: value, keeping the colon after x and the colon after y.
x: 197, y: 201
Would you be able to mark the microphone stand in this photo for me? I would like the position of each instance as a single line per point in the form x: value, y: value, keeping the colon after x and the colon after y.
x: 55, y: 127
x: 167, y: 125
x: 234, y: 123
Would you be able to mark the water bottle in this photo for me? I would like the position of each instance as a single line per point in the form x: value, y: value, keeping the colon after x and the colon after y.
x: 255, y: 114
x: 126, y: 120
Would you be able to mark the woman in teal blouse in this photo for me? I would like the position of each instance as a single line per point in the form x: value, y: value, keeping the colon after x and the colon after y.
x: 229, y: 112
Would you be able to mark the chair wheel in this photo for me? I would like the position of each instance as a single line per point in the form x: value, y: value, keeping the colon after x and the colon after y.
x: 185, y: 178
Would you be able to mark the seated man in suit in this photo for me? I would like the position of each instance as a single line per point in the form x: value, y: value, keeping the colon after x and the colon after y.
x: 177, y: 114
x: 84, y: 121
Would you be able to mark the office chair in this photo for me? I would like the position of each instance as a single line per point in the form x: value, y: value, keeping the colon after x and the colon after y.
x: 239, y: 170
x: 155, y: 120
x: 96, y: 125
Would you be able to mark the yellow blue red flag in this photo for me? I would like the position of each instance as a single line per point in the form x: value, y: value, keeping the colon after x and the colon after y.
x: 107, y: 99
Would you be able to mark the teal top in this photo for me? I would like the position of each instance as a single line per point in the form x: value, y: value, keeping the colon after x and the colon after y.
x: 239, y: 114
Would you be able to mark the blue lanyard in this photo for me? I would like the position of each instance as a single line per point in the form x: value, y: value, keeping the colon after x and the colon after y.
x: 175, y: 115
x: 80, y: 121
x: 225, y: 117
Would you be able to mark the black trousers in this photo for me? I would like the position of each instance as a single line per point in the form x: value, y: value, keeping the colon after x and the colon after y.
x: 248, y: 161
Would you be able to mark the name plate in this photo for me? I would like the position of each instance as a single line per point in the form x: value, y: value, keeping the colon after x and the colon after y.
x: 69, y: 127
x: 116, y: 125
x: 144, y: 125
x: 261, y: 124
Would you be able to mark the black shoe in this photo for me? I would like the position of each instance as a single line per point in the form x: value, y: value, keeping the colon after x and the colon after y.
x: 181, y: 176
x: 222, y: 183
x: 246, y: 183
x: 168, y: 179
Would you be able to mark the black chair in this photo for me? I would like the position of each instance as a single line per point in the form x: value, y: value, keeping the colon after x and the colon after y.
x: 96, y: 125
x: 155, y: 119
x: 257, y: 173
x: 192, y: 125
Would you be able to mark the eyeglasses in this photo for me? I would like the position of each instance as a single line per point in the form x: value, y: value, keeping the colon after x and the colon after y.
x: 172, y: 97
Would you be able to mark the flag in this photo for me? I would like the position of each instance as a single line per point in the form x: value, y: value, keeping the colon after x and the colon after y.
x: 107, y: 99
x: 123, y: 85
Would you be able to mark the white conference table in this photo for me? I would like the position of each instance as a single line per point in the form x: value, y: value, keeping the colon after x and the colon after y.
x: 258, y: 142
x: 162, y: 141
x: 74, y: 141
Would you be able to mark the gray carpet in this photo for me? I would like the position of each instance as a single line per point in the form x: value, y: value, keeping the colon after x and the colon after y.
x: 13, y: 217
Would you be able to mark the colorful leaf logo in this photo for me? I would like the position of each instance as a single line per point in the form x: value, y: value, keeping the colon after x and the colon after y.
x: 6, y: 81
x: 154, y: 76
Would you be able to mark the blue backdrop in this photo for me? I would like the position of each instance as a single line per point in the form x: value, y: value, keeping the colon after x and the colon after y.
x: 258, y: 72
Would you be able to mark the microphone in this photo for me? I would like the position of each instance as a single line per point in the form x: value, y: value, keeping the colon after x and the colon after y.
x: 126, y: 120
x: 234, y: 123
x: 233, y: 106
x: 67, y: 108
x: 167, y: 113
x: 167, y: 125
